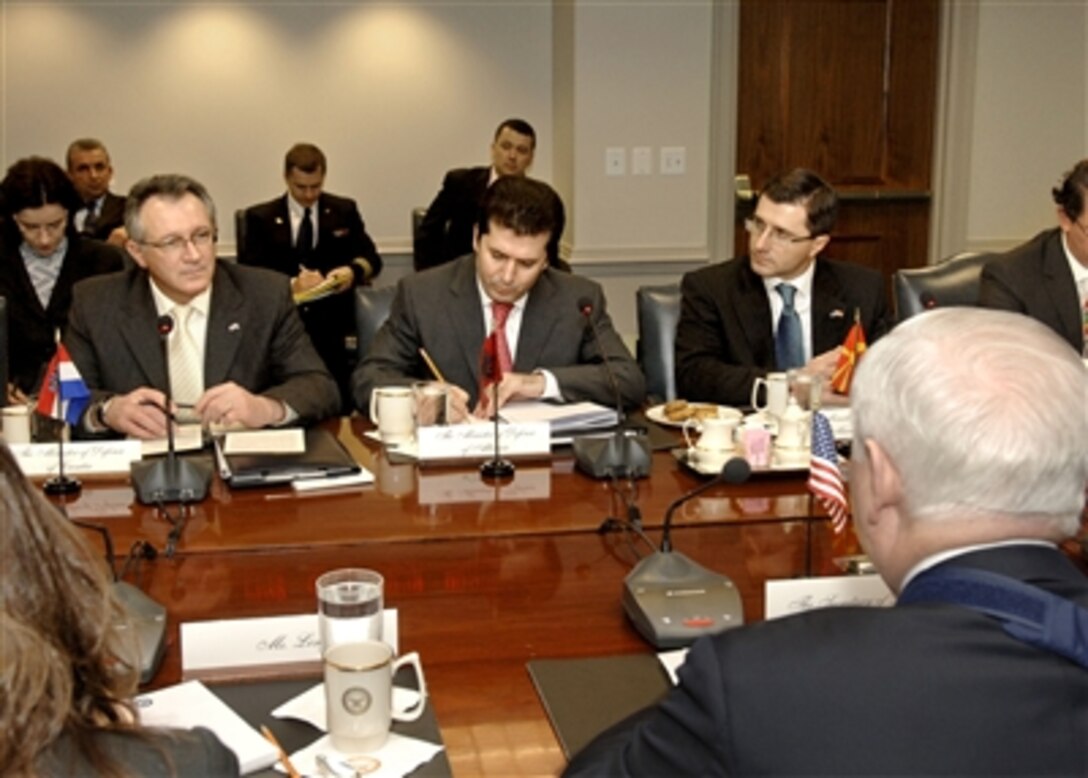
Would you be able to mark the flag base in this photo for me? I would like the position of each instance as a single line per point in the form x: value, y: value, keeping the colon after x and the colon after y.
x: 497, y: 469
x: 62, y: 485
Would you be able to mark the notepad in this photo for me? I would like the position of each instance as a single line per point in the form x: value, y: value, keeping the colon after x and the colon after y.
x: 562, y: 417
x: 192, y: 704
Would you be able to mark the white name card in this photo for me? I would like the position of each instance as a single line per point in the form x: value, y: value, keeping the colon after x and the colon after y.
x: 233, y: 644
x: 80, y: 458
x: 804, y: 594
x: 477, y: 441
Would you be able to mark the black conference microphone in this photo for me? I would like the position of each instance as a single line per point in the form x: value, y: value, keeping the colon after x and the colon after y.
x: 625, y: 453
x: 171, y: 479
x: 672, y: 600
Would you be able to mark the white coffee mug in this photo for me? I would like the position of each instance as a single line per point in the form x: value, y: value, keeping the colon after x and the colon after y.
x: 777, y: 390
x: 359, y: 695
x: 392, y: 408
x: 16, y: 424
x: 716, y: 445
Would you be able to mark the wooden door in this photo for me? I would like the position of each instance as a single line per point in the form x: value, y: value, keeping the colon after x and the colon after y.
x: 847, y: 88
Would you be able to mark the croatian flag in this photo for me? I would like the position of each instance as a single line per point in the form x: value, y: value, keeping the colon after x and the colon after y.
x: 825, y: 479
x: 63, y: 396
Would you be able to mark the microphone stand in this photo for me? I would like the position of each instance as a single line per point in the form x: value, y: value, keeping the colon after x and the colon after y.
x: 171, y: 479
x: 671, y: 599
x: 624, y: 453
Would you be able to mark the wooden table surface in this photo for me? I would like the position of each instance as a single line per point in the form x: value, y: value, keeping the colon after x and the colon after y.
x: 485, y: 577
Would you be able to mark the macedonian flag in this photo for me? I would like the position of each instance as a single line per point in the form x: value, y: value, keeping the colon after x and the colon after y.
x: 849, y: 354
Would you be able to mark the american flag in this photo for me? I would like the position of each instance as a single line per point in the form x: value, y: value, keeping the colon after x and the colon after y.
x: 824, y: 478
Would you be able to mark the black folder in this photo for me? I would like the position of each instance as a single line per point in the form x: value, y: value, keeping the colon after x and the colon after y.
x: 324, y: 457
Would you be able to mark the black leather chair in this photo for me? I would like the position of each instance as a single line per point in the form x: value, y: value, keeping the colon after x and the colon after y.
x: 658, y: 310
x: 239, y: 233
x: 952, y: 282
x: 372, y: 306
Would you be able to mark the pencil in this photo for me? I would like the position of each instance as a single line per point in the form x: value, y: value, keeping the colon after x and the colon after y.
x: 284, y: 759
x: 430, y: 364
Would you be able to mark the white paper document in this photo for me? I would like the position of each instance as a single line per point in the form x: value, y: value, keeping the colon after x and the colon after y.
x: 187, y: 437
x: 289, y: 440
x: 192, y: 704
x: 562, y: 417
x: 797, y: 595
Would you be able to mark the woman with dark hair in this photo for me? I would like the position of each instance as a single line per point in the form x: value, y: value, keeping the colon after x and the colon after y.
x: 41, y: 258
x: 65, y: 698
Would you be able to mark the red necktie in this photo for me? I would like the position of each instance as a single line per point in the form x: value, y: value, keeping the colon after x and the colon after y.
x: 499, y: 313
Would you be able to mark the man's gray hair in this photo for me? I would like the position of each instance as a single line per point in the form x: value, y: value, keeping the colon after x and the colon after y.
x: 172, y: 186
x: 984, y: 413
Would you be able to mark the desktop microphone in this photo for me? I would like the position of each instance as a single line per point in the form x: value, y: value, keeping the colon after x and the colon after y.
x: 625, y: 453
x: 672, y: 600
x: 171, y: 479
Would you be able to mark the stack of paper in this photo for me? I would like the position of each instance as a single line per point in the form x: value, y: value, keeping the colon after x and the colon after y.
x: 562, y: 418
x: 191, y: 704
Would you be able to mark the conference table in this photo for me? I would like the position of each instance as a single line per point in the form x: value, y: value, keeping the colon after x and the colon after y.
x: 485, y: 576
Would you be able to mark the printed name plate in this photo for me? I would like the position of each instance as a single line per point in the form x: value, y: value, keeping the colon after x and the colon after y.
x: 80, y: 458
x: 804, y: 594
x: 477, y: 441
x: 230, y: 646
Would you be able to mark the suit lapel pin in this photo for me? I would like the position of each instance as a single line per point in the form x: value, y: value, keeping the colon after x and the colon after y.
x: 279, y: 220
x: 836, y: 314
x: 234, y: 327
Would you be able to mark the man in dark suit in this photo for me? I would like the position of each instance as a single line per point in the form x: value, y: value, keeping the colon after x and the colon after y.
x: 41, y: 258
x: 450, y: 309
x: 314, y: 237
x: 1047, y: 277
x: 735, y: 321
x: 446, y: 231
x: 238, y: 352
x: 102, y: 213
x: 945, y: 506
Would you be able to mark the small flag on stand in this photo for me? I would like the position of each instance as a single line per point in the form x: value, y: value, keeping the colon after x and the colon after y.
x: 825, y: 478
x: 849, y: 354
x: 490, y: 367
x: 64, y: 395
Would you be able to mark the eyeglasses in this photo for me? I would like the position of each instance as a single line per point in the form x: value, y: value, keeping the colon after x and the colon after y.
x: 757, y: 228
x: 175, y: 244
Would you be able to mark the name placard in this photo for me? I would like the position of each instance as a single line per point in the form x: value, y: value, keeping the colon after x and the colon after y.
x: 477, y: 441
x: 233, y: 645
x: 804, y: 594
x: 80, y: 458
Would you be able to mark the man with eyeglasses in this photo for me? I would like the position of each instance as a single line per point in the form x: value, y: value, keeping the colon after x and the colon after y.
x: 1047, y: 277
x: 237, y: 350
x: 781, y: 307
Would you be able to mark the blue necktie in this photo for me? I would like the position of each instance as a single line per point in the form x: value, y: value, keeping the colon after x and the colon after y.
x: 789, y: 351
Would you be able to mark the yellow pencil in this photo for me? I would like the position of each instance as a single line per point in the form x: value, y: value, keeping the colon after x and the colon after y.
x: 430, y: 364
x: 284, y: 759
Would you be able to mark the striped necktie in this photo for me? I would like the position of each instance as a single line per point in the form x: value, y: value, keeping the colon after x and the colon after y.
x: 186, y: 373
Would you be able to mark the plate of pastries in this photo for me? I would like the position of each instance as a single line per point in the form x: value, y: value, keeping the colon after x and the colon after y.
x: 678, y: 412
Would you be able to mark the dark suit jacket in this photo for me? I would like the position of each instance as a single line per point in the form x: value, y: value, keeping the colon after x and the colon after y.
x: 922, y: 689
x: 725, y: 340
x: 341, y: 240
x: 446, y: 230
x: 440, y: 310
x: 110, y: 217
x: 190, y: 752
x: 31, y: 327
x: 255, y: 338
x: 1035, y: 279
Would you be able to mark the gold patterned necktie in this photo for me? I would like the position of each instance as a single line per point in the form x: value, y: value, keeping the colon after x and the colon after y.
x: 186, y: 373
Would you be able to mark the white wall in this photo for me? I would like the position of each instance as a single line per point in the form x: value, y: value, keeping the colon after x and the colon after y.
x: 394, y: 93
x: 1030, y: 115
